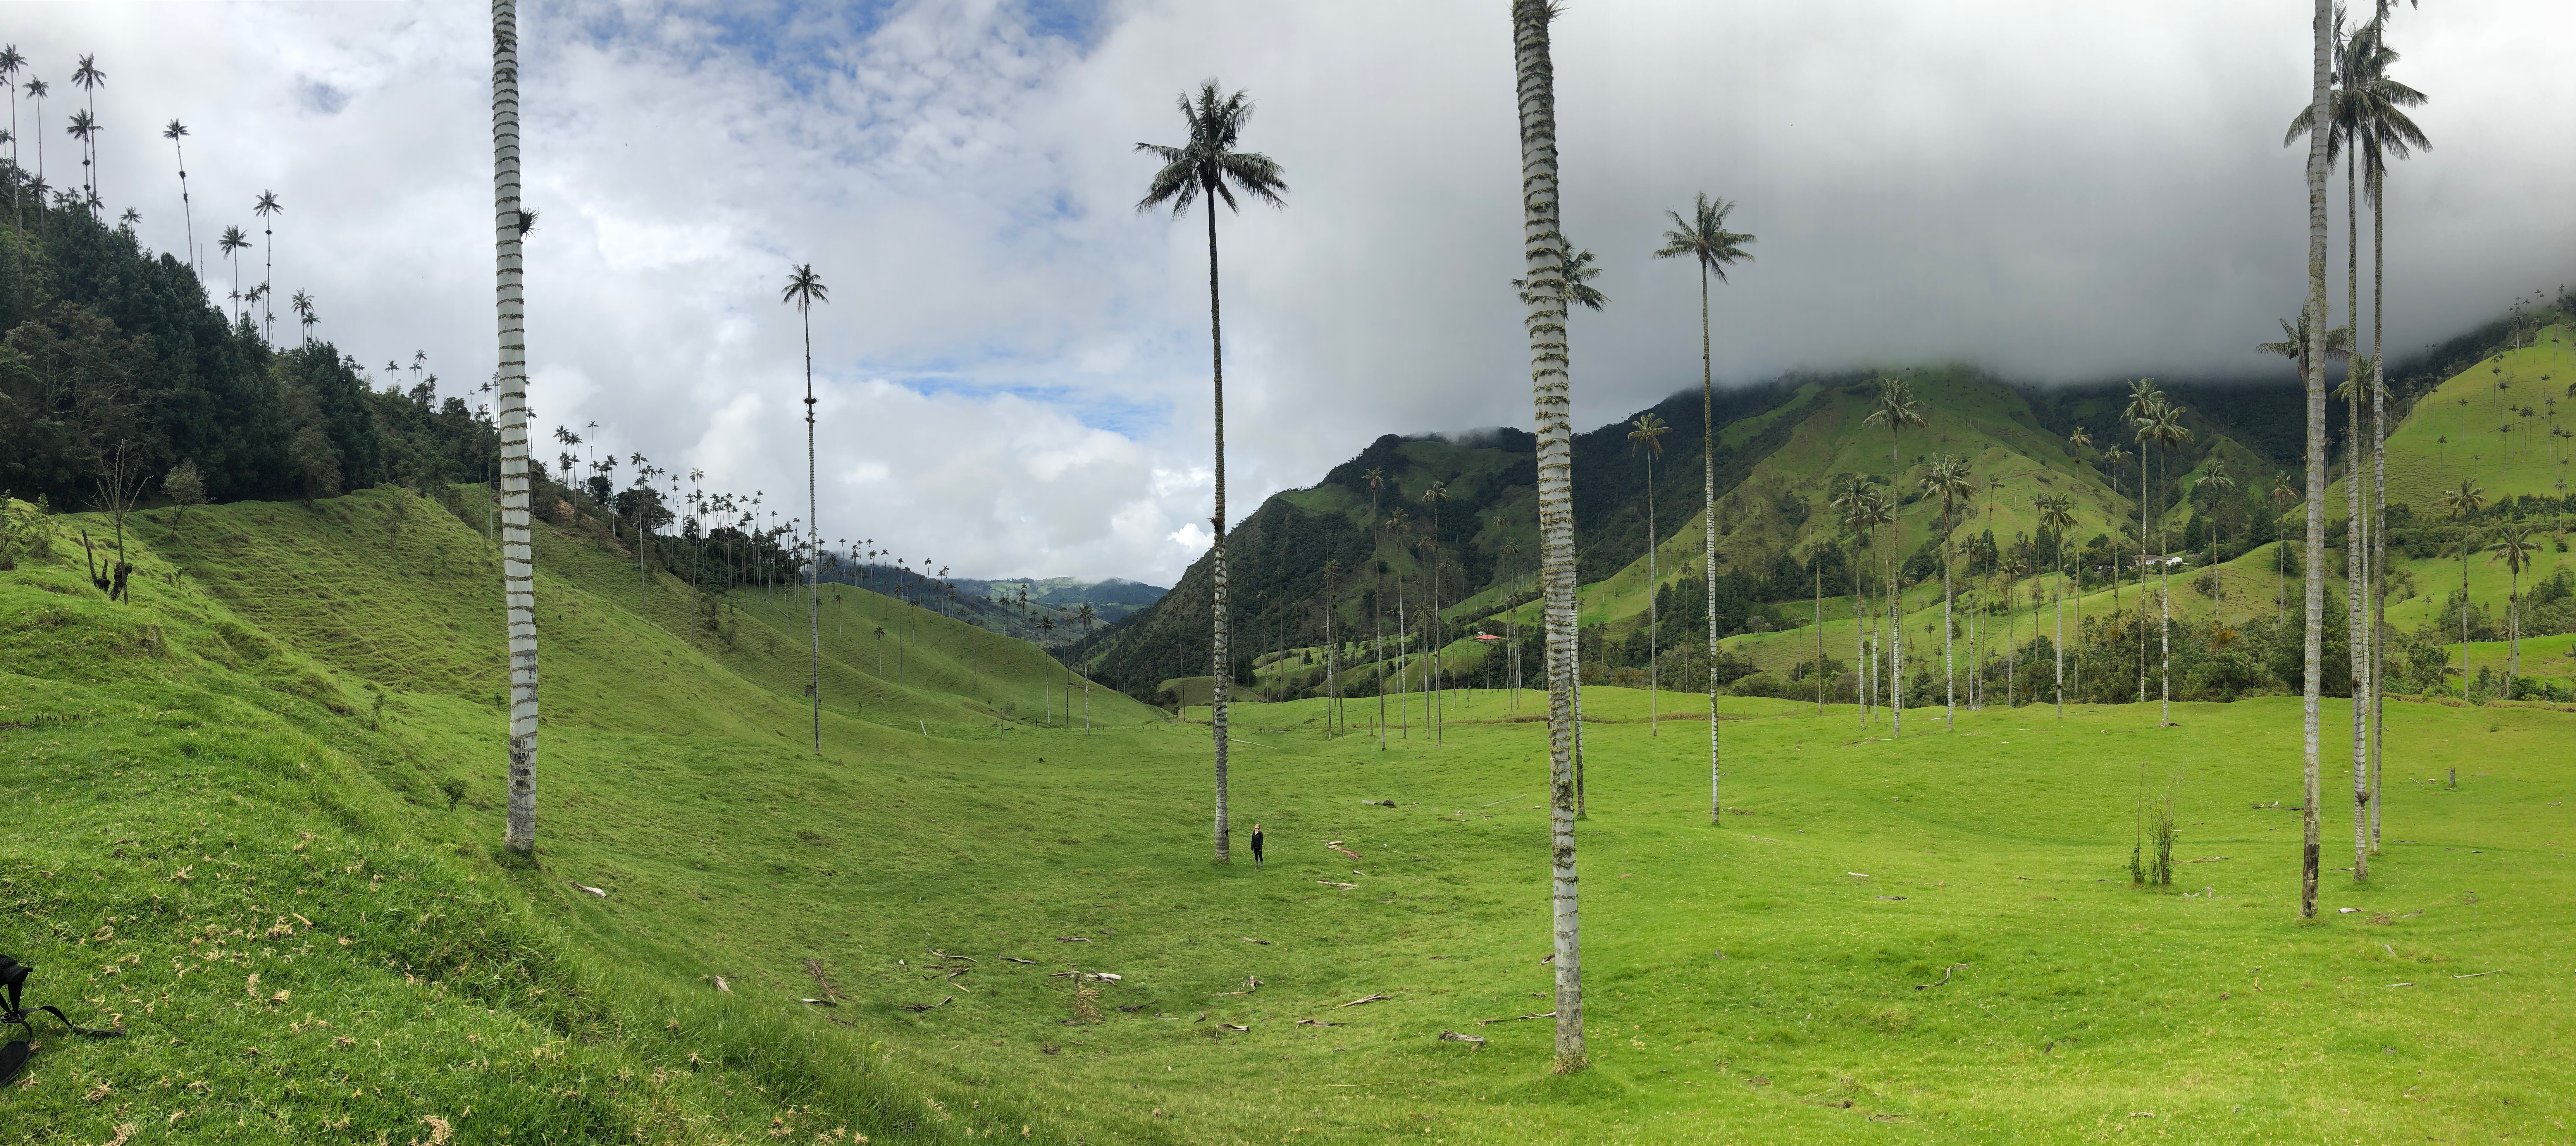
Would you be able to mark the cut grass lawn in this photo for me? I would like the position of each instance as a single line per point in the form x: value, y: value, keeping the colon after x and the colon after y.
x: 1929, y: 940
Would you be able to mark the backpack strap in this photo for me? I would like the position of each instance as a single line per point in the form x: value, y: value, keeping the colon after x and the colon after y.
x: 84, y: 1032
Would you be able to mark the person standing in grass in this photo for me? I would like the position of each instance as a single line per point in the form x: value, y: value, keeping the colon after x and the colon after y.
x: 1256, y: 845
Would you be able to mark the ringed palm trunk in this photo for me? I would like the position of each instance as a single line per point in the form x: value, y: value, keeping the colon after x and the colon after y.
x: 1708, y: 510
x: 1218, y: 652
x: 2313, y: 653
x: 2379, y: 504
x: 2356, y: 580
x: 518, y: 571
x: 1543, y: 251
x: 813, y: 540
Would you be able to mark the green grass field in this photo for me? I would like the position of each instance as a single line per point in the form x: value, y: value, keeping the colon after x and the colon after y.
x: 1931, y: 940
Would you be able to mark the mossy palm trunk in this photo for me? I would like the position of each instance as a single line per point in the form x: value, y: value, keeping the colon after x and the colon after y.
x: 2356, y: 581
x: 1543, y: 252
x: 2379, y: 501
x: 518, y: 568
x: 2321, y: 104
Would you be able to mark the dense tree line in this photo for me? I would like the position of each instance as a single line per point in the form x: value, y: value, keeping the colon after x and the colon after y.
x: 108, y: 343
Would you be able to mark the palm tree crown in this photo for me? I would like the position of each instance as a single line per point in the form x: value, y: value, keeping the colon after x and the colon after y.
x: 1703, y: 237
x: 1208, y: 164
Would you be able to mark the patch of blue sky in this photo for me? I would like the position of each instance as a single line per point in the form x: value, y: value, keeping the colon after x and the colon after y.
x: 802, y: 42
x: 1126, y: 417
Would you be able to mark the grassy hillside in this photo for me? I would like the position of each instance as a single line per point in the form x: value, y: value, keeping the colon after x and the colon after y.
x: 235, y: 842
x: 239, y: 706
x: 2457, y: 430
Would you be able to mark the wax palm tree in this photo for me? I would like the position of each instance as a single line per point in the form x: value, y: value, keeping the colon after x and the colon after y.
x: 1088, y: 618
x: 89, y: 79
x: 1895, y: 408
x: 1848, y: 501
x: 2462, y: 503
x: 1543, y: 252
x: 10, y: 62
x: 1208, y: 166
x: 805, y: 288
x: 175, y: 132
x: 2143, y: 400
x: 1704, y: 239
x: 83, y: 127
x: 37, y: 90
x: 2515, y: 547
x: 1433, y: 498
x: 2165, y: 429
x: 1376, y: 479
x: 1646, y: 436
x: 2057, y: 515
x: 2312, y: 367
x: 1861, y: 511
x: 268, y: 206
x: 304, y: 313
x: 2217, y: 478
x: 2385, y: 132
x: 1949, y: 480
x: 517, y: 557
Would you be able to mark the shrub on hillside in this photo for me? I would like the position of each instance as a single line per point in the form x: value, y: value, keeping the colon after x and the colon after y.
x: 26, y: 533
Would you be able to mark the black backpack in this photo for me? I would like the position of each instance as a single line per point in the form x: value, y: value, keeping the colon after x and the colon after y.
x: 14, y: 1054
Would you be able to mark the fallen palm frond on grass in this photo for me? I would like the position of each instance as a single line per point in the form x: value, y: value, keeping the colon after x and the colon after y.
x: 1455, y: 1037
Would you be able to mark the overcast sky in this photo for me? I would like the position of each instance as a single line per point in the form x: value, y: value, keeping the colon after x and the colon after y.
x: 1014, y: 363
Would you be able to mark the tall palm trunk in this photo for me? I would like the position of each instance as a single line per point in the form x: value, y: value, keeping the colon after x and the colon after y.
x: 1403, y: 666
x: 813, y: 539
x: 2356, y: 534
x: 1949, y: 660
x: 2512, y: 630
x: 1708, y: 511
x: 1861, y: 660
x: 1218, y: 652
x: 2060, y: 605
x: 187, y: 210
x: 1818, y: 566
x: 2142, y: 572
x: 1654, y: 607
x: 2164, y: 589
x: 1543, y: 250
x: 2321, y: 104
x: 1895, y: 614
x: 518, y: 581
x: 2379, y: 502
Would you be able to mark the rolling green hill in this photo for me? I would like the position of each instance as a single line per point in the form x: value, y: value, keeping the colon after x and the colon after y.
x: 232, y: 837
x: 2458, y: 430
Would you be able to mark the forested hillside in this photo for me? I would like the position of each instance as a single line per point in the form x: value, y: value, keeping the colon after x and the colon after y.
x: 1784, y: 450
x: 110, y: 348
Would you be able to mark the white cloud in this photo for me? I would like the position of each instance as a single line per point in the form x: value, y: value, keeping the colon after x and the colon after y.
x: 1013, y: 365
